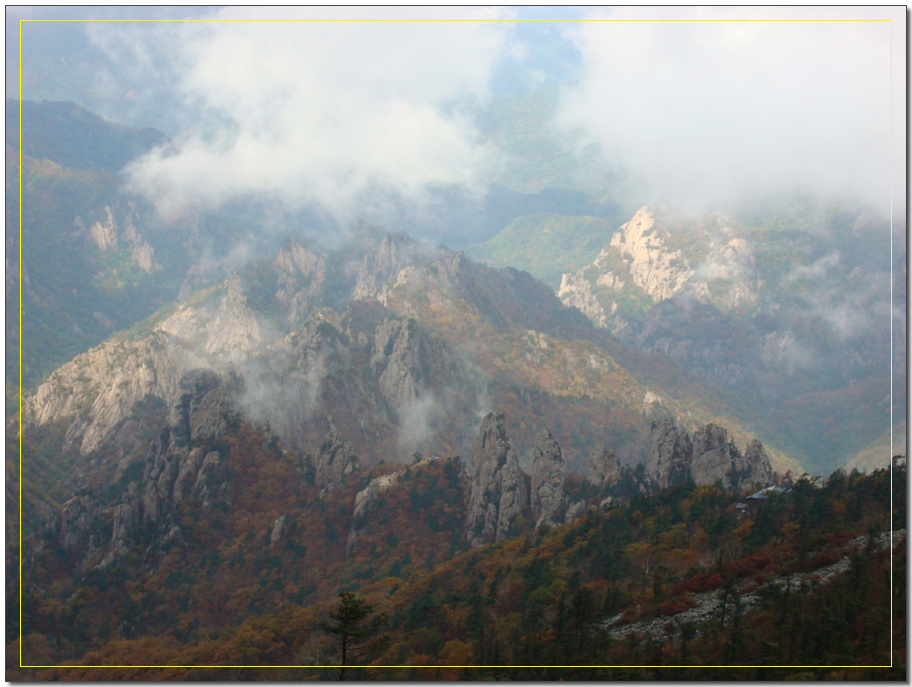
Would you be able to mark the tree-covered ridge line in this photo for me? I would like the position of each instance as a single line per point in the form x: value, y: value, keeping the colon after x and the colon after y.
x: 555, y: 597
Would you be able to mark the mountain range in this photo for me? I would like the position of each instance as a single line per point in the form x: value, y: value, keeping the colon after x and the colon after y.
x: 203, y: 402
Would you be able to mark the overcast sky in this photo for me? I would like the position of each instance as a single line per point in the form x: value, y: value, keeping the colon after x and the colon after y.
x: 699, y: 110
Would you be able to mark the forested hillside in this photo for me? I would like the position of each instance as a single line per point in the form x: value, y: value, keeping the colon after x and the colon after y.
x: 693, y: 578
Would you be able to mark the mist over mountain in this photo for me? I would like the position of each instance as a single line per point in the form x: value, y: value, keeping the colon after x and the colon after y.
x: 542, y: 358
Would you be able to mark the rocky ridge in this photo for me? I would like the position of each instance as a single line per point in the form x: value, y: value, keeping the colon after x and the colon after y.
x: 708, y: 458
x: 644, y: 264
x: 498, y: 492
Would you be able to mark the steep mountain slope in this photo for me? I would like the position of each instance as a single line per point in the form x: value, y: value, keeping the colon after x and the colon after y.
x: 545, y: 245
x: 93, y: 258
x: 428, y: 342
x: 791, y: 307
x: 228, y: 552
x: 278, y: 436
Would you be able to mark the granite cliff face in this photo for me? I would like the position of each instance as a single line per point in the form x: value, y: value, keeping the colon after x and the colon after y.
x: 98, y: 389
x: 394, y: 253
x: 498, y: 492
x: 651, y: 259
x: 333, y: 462
x: 301, y: 277
x: 117, y: 230
x: 603, y: 467
x: 548, y: 501
x: 776, y: 306
x: 169, y: 465
x: 671, y: 455
x: 654, y: 266
x: 709, y: 458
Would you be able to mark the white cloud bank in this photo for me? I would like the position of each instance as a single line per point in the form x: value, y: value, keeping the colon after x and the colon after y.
x: 324, y: 111
x: 703, y: 112
x: 711, y: 111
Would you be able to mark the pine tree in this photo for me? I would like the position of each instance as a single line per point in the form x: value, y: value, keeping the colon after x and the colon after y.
x: 352, y: 625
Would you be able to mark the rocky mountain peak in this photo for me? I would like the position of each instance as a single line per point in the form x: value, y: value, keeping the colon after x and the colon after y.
x: 301, y: 280
x: 547, y: 497
x: 710, y: 458
x: 392, y: 254
x: 654, y: 266
x: 669, y: 460
x: 498, y: 492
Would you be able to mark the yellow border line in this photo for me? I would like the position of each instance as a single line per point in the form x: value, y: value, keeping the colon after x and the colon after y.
x: 20, y: 343
x: 702, y: 21
x: 468, y: 21
x: 891, y: 345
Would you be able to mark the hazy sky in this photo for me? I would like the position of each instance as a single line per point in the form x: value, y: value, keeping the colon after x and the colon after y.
x: 699, y: 110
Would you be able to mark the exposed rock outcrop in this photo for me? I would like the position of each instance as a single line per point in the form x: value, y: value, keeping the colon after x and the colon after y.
x: 333, y: 462
x: 713, y: 456
x: 576, y: 292
x: 174, y: 467
x: 394, y: 252
x: 301, y: 281
x: 755, y: 469
x: 412, y: 362
x: 278, y: 527
x: 603, y: 468
x: 654, y: 266
x: 498, y: 493
x: 709, y: 459
x: 669, y: 460
x: 117, y: 227
x: 97, y: 390
x: 576, y: 510
x: 80, y: 527
x: 547, y: 497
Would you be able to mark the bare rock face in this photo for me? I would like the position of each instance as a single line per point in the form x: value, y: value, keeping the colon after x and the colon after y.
x: 547, y: 498
x: 603, y: 468
x: 80, y: 526
x: 395, y: 252
x: 713, y: 456
x: 333, y: 462
x: 669, y: 461
x: 118, y: 225
x: 278, y: 527
x: 576, y: 292
x: 716, y: 459
x: 754, y: 470
x: 654, y: 267
x: 407, y: 356
x: 301, y: 281
x: 497, y: 491
x: 98, y: 389
x: 576, y: 510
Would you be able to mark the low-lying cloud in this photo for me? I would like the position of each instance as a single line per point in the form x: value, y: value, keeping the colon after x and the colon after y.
x: 328, y: 113
x: 706, y: 113
x: 366, y: 116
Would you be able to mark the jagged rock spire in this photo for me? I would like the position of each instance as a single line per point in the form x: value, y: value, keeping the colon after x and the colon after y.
x: 547, y: 496
x: 498, y: 492
x: 709, y: 459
